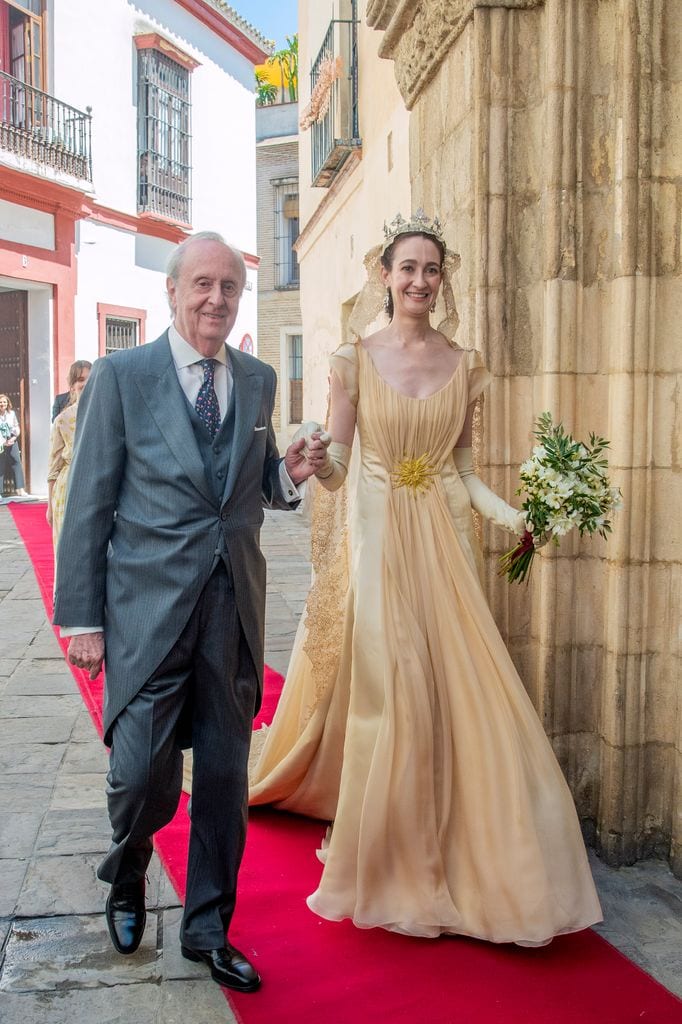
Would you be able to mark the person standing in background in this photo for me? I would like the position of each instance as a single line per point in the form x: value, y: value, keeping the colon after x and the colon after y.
x: 61, y: 451
x: 10, y: 456
x: 63, y: 400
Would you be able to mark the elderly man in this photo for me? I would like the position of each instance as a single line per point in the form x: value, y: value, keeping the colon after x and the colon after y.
x: 160, y: 572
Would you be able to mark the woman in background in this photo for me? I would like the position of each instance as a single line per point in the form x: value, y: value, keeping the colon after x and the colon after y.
x: 10, y: 456
x: 61, y: 451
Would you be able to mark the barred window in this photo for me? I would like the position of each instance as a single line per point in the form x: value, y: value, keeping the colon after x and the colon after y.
x: 164, y: 139
x: 120, y: 333
x: 286, y: 232
x: 295, y: 378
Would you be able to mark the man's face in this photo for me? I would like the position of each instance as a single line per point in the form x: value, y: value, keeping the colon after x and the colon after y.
x: 205, y: 298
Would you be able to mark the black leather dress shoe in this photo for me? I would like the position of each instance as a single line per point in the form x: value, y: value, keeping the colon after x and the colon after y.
x: 126, y: 915
x: 228, y: 966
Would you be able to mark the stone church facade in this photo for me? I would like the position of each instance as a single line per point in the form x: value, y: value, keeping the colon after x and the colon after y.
x: 546, y: 135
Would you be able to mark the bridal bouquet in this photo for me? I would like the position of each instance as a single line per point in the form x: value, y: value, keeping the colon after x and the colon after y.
x: 567, y: 486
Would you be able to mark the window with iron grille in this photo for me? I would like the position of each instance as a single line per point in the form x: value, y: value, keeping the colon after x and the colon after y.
x: 22, y: 69
x: 120, y: 333
x: 295, y: 378
x: 336, y: 135
x: 164, y: 139
x: 286, y: 233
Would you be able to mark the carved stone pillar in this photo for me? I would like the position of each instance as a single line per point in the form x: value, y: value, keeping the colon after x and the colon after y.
x: 544, y: 134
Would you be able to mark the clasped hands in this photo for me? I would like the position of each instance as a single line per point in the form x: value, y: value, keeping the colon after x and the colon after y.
x: 307, y: 453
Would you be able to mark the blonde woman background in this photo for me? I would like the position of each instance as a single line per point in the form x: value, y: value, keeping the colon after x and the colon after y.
x: 61, y: 449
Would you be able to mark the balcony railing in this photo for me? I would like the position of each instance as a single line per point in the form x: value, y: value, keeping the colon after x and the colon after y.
x: 336, y: 135
x: 42, y: 128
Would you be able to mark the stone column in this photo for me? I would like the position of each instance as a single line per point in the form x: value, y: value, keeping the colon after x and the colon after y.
x: 545, y: 134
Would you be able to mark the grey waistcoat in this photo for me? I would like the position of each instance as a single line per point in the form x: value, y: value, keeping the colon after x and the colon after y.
x: 215, y: 455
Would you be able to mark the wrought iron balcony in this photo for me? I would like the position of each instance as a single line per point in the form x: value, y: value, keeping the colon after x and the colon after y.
x: 42, y: 128
x: 336, y: 134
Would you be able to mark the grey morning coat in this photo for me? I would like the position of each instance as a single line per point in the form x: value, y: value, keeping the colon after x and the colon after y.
x: 144, y: 525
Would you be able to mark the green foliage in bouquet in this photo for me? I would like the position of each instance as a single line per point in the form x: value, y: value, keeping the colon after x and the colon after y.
x: 567, y: 487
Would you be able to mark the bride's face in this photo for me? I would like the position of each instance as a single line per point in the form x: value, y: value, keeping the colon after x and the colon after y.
x: 415, y: 275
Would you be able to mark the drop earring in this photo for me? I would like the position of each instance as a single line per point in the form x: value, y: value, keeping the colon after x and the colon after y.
x: 387, y: 299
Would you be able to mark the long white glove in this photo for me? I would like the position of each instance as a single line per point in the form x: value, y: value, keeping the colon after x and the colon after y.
x: 335, y: 468
x: 485, y: 501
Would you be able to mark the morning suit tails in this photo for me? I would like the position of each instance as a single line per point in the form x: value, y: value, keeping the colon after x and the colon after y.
x: 203, y: 692
x: 160, y: 544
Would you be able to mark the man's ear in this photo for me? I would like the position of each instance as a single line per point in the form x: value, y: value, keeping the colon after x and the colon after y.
x: 170, y: 288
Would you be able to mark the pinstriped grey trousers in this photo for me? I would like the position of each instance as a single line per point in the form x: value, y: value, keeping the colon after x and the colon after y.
x: 206, y: 684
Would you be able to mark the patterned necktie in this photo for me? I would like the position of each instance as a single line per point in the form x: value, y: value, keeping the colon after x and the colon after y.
x: 206, y: 404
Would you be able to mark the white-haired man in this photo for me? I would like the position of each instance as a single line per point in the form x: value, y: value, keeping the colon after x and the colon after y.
x: 160, y: 573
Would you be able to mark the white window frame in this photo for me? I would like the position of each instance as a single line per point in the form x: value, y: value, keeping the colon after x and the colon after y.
x: 285, y: 332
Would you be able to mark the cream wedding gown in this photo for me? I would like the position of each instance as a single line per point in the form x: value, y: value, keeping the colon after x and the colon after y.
x: 409, y: 727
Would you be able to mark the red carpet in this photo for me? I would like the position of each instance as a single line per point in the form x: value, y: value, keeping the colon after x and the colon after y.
x: 317, y: 972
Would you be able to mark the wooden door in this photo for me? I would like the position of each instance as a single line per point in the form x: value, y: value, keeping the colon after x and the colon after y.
x: 14, y: 364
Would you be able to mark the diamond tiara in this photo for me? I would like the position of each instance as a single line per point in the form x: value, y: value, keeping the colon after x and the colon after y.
x: 418, y: 223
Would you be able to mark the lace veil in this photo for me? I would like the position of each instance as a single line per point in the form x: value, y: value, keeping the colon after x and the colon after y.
x: 371, y: 299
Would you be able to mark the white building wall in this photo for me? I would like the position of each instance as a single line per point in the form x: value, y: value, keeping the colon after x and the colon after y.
x: 109, y: 272
x: 223, y: 110
x: 39, y: 381
x: 25, y: 226
x: 93, y: 62
x: 121, y: 267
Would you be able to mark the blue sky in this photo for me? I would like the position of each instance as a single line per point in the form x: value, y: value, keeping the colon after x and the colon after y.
x: 275, y: 19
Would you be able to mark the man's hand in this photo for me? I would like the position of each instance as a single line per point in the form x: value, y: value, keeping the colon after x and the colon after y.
x: 306, y: 456
x: 87, y: 651
x: 48, y: 514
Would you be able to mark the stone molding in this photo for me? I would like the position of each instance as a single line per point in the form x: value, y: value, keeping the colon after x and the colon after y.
x: 419, y: 36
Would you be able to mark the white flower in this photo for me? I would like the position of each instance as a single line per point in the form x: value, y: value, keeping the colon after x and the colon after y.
x: 564, y: 488
x: 616, y: 499
x: 561, y: 526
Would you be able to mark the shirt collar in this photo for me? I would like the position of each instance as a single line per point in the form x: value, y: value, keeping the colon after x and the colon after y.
x: 183, y: 353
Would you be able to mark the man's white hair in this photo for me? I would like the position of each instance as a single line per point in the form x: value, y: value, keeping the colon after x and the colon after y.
x: 174, y: 265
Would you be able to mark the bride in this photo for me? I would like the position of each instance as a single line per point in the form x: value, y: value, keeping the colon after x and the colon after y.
x: 403, y: 720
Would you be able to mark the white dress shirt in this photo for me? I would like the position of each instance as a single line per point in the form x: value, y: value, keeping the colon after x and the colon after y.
x: 191, y: 373
x: 191, y: 376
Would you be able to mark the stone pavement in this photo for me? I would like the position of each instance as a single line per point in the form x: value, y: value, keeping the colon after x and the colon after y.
x: 56, y: 961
